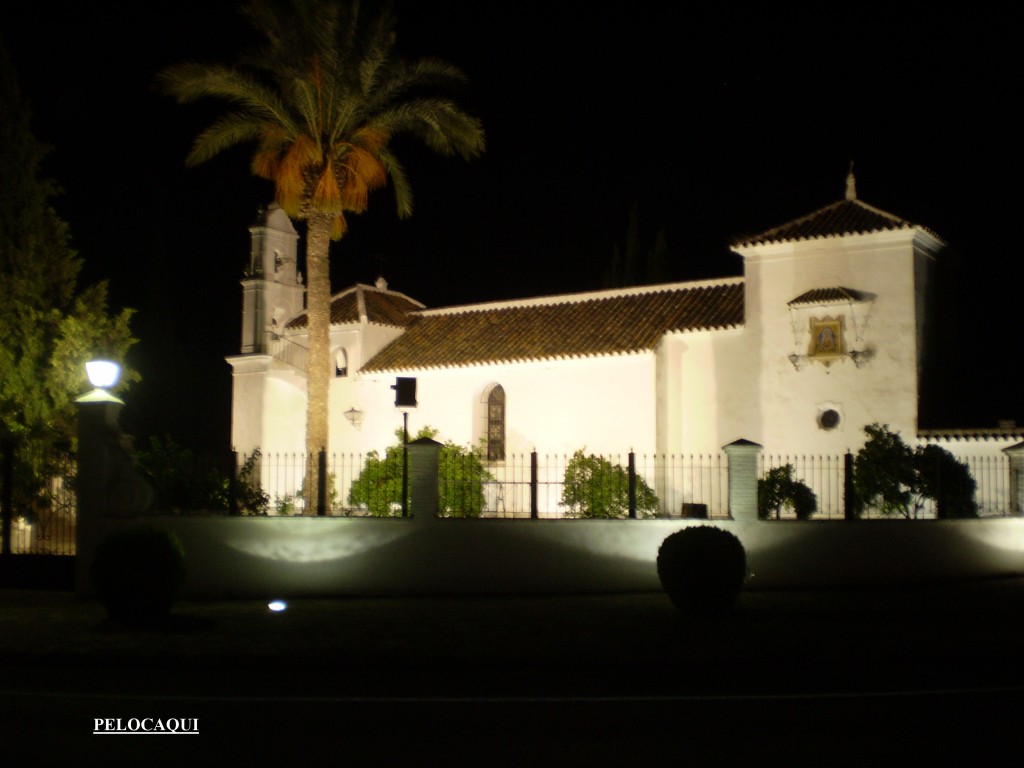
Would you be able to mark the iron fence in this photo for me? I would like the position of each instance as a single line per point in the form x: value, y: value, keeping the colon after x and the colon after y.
x: 609, y: 485
x: 37, y: 500
x: 39, y: 487
x: 522, y: 485
x: 826, y: 476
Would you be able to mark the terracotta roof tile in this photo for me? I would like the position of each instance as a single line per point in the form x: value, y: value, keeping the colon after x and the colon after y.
x: 846, y: 217
x: 832, y: 295
x: 615, y: 322
x: 381, y: 307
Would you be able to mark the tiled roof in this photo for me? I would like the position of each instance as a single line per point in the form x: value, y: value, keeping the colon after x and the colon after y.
x: 366, y: 302
x: 584, y: 325
x: 1014, y: 433
x: 846, y: 217
x: 834, y: 295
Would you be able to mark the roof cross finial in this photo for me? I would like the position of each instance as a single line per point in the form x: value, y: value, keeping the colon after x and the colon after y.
x: 851, y: 184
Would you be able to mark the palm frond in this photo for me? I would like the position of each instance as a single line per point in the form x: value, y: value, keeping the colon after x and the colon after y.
x: 321, y: 98
x: 405, y: 77
x: 326, y: 194
x: 339, y: 226
x: 399, y: 182
x: 440, y: 123
x: 229, y: 131
x: 192, y: 81
x: 363, y: 173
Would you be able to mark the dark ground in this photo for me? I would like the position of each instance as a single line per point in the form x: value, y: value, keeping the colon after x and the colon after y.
x: 909, y: 676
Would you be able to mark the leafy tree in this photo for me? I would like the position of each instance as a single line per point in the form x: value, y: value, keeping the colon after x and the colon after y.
x: 943, y: 478
x: 322, y: 100
x: 778, y: 489
x: 895, y: 479
x: 594, y: 487
x: 50, y: 325
x: 884, y: 475
x: 183, y: 483
x: 461, y: 470
x: 250, y: 497
x: 180, y: 483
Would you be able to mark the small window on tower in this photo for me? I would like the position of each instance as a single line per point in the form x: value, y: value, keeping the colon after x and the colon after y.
x: 340, y: 363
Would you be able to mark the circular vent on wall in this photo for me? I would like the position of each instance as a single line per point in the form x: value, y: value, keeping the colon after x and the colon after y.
x: 828, y: 419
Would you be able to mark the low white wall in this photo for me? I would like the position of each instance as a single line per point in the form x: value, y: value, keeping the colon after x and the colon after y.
x: 280, y: 557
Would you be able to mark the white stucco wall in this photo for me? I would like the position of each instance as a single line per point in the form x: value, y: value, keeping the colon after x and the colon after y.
x: 884, y: 389
x: 606, y: 405
x: 247, y: 383
x: 289, y: 557
x: 706, y: 391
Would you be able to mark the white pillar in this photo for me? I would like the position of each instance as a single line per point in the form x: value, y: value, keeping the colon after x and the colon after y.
x: 107, y: 483
x: 742, y: 479
x: 1016, y: 456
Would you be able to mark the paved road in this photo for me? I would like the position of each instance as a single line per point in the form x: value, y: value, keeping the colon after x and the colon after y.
x: 907, y: 677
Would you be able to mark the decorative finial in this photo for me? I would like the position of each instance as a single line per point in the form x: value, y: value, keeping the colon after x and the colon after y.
x: 851, y: 184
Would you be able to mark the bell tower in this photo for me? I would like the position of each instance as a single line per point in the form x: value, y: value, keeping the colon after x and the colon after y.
x: 272, y: 290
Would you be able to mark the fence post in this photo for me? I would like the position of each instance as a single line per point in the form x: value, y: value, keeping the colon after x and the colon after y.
x: 632, y: 485
x: 7, y: 493
x: 424, y: 460
x: 321, y: 483
x: 405, y: 463
x: 534, y: 512
x: 742, y: 456
x: 1016, y: 455
x: 108, y: 485
x: 850, y: 511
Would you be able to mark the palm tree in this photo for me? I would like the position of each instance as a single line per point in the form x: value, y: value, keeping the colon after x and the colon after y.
x: 321, y: 100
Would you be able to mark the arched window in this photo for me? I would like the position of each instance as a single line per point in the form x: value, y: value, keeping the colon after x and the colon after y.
x: 340, y: 363
x: 496, y: 424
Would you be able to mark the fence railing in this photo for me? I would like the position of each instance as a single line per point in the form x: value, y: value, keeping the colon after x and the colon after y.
x: 826, y: 477
x: 37, y: 501
x: 524, y: 485
x: 567, y: 486
x: 37, y: 488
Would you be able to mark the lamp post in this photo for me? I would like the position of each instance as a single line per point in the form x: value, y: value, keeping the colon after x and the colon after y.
x: 99, y: 436
x: 103, y: 375
x: 405, y: 398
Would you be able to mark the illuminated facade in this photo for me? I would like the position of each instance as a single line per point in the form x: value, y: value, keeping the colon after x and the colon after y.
x: 826, y: 331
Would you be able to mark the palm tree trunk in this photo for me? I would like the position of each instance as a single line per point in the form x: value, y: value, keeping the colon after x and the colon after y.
x: 318, y: 310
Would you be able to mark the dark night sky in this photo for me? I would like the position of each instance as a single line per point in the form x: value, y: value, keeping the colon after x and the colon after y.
x: 720, y: 123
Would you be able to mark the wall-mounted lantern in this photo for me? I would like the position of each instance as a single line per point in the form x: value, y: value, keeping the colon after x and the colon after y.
x: 354, y: 417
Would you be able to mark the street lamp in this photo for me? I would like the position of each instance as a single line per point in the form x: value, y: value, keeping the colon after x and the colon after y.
x: 405, y: 398
x: 103, y: 375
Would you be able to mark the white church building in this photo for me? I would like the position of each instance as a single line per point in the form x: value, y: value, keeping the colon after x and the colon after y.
x: 828, y: 330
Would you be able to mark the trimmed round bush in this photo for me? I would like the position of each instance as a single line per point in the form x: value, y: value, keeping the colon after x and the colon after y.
x: 138, y: 573
x: 702, y: 569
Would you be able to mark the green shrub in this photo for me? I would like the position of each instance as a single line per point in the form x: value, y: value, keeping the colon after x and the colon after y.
x: 461, y: 478
x: 779, y: 490
x: 181, y: 482
x: 138, y: 573
x: 702, y: 569
x: 594, y: 487
x: 895, y: 479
